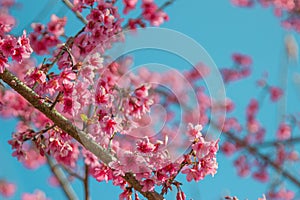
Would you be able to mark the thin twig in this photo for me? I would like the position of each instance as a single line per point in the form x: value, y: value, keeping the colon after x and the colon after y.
x: 62, y: 179
x: 86, y: 183
x: 72, y: 173
x: 78, y: 14
x: 276, y: 143
x: 57, y: 99
x: 255, y: 152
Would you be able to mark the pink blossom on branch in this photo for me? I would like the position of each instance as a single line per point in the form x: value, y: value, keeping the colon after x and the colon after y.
x: 242, y: 3
x: 275, y: 93
x: 242, y: 60
x: 16, y: 48
x: 37, y: 195
x: 7, y: 189
x: 152, y: 14
x: 283, y: 132
x: 129, y: 5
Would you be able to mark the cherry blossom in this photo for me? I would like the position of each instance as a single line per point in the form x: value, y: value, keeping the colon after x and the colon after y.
x: 37, y: 195
x: 7, y: 189
x: 78, y: 82
x: 284, y: 132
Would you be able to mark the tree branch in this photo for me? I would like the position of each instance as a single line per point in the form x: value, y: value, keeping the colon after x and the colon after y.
x: 86, y: 183
x: 78, y: 14
x: 254, y: 151
x: 67, y: 126
x: 62, y: 179
x: 276, y: 142
x: 72, y: 173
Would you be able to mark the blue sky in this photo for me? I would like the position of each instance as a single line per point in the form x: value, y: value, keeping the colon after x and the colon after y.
x: 221, y: 29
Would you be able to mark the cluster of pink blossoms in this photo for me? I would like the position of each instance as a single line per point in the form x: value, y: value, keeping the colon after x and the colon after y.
x: 151, y: 13
x: 42, y: 39
x: 107, y: 101
x: 15, y: 48
x: 7, y: 22
x: 253, y: 135
x: 241, y: 68
x: 11, y: 47
x: 37, y: 195
x: 112, y: 105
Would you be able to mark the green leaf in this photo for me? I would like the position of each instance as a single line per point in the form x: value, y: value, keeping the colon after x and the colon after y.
x: 84, y: 117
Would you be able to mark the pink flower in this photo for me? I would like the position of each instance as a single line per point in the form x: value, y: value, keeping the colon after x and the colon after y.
x: 3, y: 64
x: 293, y: 156
x: 199, y: 71
x: 68, y: 105
x: 35, y: 76
x: 66, y: 79
x: 285, y: 4
x: 201, y: 148
x: 283, y: 132
x: 152, y: 14
x: 7, y: 45
x: 252, y: 109
x: 53, y: 181
x: 142, y: 91
x: 145, y: 146
x: 231, y: 124
x: 37, y: 195
x: 242, y: 3
x: 138, y: 106
x: 283, y: 193
x: 130, y: 162
x: 228, y: 148
x: 276, y: 93
x: 261, y: 175
x: 134, y: 23
x: 129, y: 5
x: 95, y: 60
x: 7, y: 189
x: 280, y: 154
x: 102, y: 96
x: 292, y: 23
x: 192, y: 173
x: 110, y: 126
x: 24, y: 43
x: 194, y: 131
x: 102, y: 173
x: 56, y: 25
x: 242, y: 166
x: 90, y: 159
x: 242, y: 60
x: 33, y: 159
x: 253, y: 125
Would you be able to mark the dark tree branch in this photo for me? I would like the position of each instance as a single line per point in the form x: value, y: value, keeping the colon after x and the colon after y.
x: 86, y: 183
